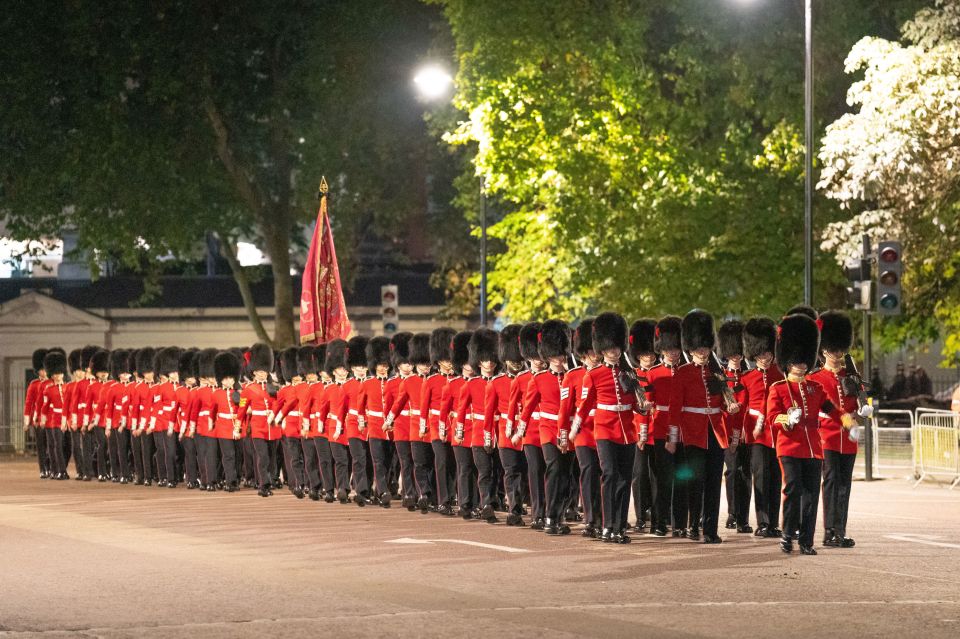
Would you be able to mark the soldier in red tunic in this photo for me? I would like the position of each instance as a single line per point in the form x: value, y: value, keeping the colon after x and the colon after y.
x: 736, y: 458
x: 327, y: 416
x: 612, y: 391
x: 399, y: 428
x: 201, y: 422
x: 163, y: 421
x: 431, y: 400
x: 543, y: 395
x: 349, y: 415
x: 116, y: 432
x: 530, y: 436
x: 469, y: 434
x: 759, y: 343
x: 94, y: 417
x: 793, y: 407
x: 644, y: 359
x: 77, y: 375
x: 32, y: 402
x: 373, y: 410
x: 495, y: 405
x: 843, y: 386
x: 186, y: 396
x: 256, y: 411
x: 51, y: 414
x: 585, y: 445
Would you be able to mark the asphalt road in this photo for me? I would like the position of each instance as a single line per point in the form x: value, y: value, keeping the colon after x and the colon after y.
x: 105, y: 560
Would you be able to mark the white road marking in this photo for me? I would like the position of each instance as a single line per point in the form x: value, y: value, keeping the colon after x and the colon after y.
x: 410, y: 540
x: 923, y: 539
x: 899, y: 574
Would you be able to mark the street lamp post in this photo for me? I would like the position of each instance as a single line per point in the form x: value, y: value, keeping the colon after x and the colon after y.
x: 433, y: 83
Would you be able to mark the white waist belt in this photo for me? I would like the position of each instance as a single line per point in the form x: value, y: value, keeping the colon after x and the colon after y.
x: 57, y: 410
x: 434, y: 411
x: 405, y: 413
x: 536, y: 415
x: 374, y: 413
x: 293, y: 413
x: 225, y: 415
x: 414, y: 411
x: 260, y: 413
x: 755, y: 412
x: 615, y: 408
x: 701, y: 411
x: 549, y: 416
x: 353, y: 411
x: 477, y: 416
x: 663, y: 408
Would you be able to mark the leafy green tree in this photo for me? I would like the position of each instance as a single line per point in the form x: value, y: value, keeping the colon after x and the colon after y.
x: 144, y: 125
x: 648, y: 156
x: 893, y: 166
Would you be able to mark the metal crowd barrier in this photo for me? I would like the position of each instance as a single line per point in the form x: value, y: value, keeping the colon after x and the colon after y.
x: 937, y: 446
x: 893, y: 446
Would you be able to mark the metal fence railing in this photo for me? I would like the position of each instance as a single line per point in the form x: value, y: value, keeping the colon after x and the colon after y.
x: 937, y: 449
x: 12, y: 437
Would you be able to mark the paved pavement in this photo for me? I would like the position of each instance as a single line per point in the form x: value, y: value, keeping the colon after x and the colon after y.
x: 104, y: 560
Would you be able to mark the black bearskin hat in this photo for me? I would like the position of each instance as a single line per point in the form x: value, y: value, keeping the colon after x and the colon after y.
x: 100, y: 362
x: 459, y: 350
x: 226, y: 364
x: 205, y: 363
x: 188, y: 364
x: 38, y: 356
x: 378, y: 353
x: 609, y: 331
x: 319, y: 356
x: 420, y: 349
x: 87, y: 352
x: 440, y: 341
x: 288, y: 363
x: 759, y: 336
x: 696, y: 331
x: 336, y: 356
x: 482, y: 347
x: 400, y: 348
x: 666, y: 336
x: 118, y: 363
x: 510, y: 344
x: 529, y: 340
x: 730, y: 339
x: 357, y: 351
x: 798, y: 342
x: 307, y: 361
x: 836, y: 332
x: 583, y: 337
x: 73, y: 360
x: 168, y: 360
x: 803, y: 309
x: 641, y: 337
x: 261, y: 358
x: 554, y: 339
x: 55, y: 363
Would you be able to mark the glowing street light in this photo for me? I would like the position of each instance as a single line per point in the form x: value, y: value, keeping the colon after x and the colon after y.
x: 432, y: 82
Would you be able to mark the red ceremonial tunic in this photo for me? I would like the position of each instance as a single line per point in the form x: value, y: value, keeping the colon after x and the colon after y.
x: 734, y: 423
x: 256, y: 407
x: 803, y: 440
x: 757, y: 384
x: 571, y: 394
x: 223, y: 412
x: 496, y: 402
x: 470, y: 410
x: 350, y: 409
x: 52, y: 406
x: 693, y: 408
x: 517, y: 392
x: 336, y: 399
x: 833, y: 436
x: 448, y: 402
x: 401, y: 425
x: 613, y: 420
x: 373, y: 406
x: 407, y: 400
x: 543, y: 397
x: 431, y: 399
x: 640, y: 420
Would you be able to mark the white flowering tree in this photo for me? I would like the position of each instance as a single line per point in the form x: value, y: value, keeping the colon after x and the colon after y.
x: 894, y: 164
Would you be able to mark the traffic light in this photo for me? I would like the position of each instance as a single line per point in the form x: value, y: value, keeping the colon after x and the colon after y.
x: 859, y: 284
x: 889, y: 275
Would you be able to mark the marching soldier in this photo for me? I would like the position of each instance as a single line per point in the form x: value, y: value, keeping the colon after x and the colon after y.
x: 476, y: 475
x: 495, y: 406
x: 841, y: 383
x: 399, y: 427
x: 51, y: 415
x: 759, y: 343
x: 571, y: 392
x: 408, y: 396
x: 460, y: 358
x: 98, y: 405
x: 327, y: 413
x: 696, y: 406
x: 354, y: 424
x: 224, y: 407
x: 543, y: 395
x: 530, y: 437
x: 611, y: 390
x: 431, y: 400
x: 33, y: 400
x: 793, y: 407
x: 77, y: 375
x: 256, y: 410
x: 186, y: 395
x: 373, y: 409
x: 163, y: 420
x: 736, y: 459
x: 118, y: 404
x: 644, y: 465
x: 202, y: 422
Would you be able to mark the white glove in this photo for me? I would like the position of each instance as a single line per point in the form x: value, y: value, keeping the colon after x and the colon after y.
x: 26, y: 422
x: 674, y: 435
x: 443, y: 431
x: 388, y: 422
x: 793, y: 416
x: 169, y: 430
x: 423, y: 427
x: 575, y: 427
x: 865, y: 411
x: 362, y: 423
x: 854, y: 433
x: 337, y: 431
x: 508, y: 431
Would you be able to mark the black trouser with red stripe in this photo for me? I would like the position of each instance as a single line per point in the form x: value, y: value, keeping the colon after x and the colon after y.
x: 590, y: 485
x: 55, y: 461
x: 160, y: 451
x: 837, y: 480
x: 358, y: 452
x: 616, y: 471
x: 341, y: 468
x: 293, y: 457
x: 381, y: 451
x: 76, y: 442
x: 265, y: 452
x: 483, y: 461
x: 311, y: 462
x: 512, y: 461
x: 445, y: 464
x: 408, y: 482
x: 663, y: 463
x: 690, y: 468
x: 190, y: 460
x: 135, y: 448
x: 466, y: 478
x: 801, y: 496
x: 423, y: 470
x: 43, y: 454
x: 535, y: 476
x: 556, y: 474
x: 643, y: 470
x: 712, y: 484
x: 767, y: 481
x: 737, y: 477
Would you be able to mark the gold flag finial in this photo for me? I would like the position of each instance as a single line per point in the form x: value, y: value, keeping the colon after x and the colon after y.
x: 323, y: 188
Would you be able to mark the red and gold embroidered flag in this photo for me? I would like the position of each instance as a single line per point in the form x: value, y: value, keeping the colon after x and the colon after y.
x: 323, y: 313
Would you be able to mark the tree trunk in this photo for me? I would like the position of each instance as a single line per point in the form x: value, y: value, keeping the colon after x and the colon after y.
x: 246, y: 293
x: 276, y: 235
